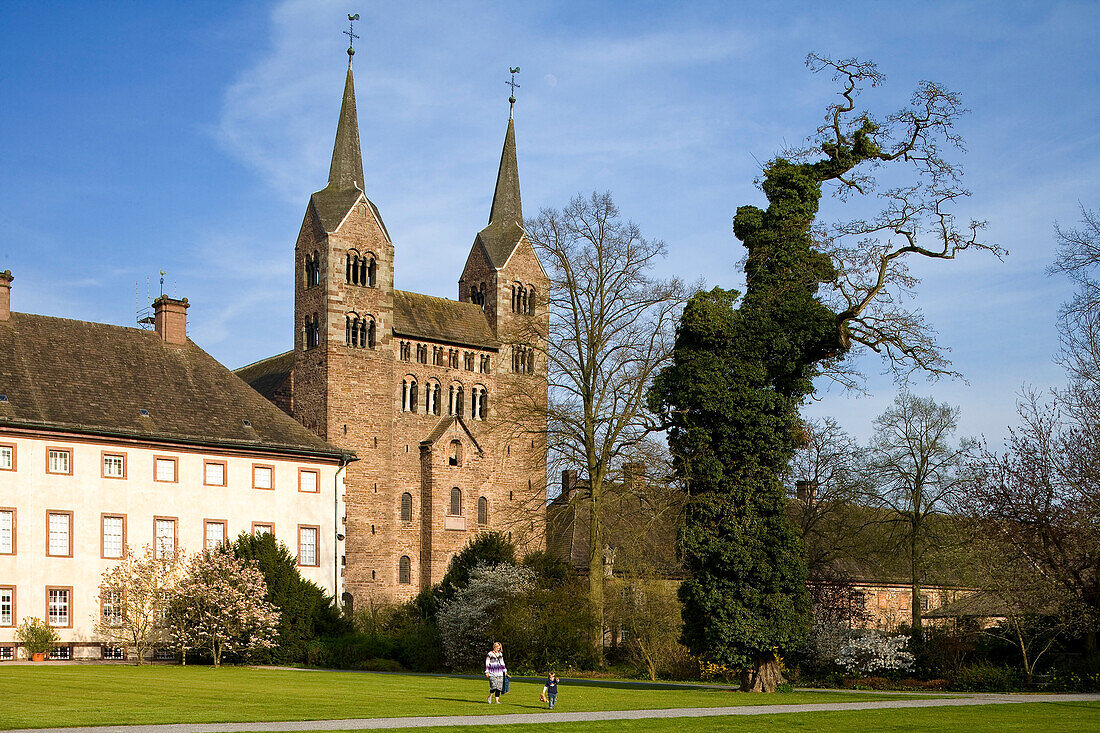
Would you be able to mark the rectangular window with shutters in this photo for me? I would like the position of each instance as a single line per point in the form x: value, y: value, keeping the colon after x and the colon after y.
x: 213, y: 473
x: 164, y: 469
x: 213, y: 533
x: 59, y: 536
x: 307, y: 545
x: 59, y: 460
x: 7, y: 605
x: 308, y: 480
x: 114, y: 465
x: 164, y: 532
x: 7, y: 457
x: 113, y: 541
x: 7, y: 531
x: 58, y: 610
x: 263, y: 477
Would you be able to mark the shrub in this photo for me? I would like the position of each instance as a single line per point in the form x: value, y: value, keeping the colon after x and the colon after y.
x: 870, y: 652
x: 36, y: 635
x: 986, y: 678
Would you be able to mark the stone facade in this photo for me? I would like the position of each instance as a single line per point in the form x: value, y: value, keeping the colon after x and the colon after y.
x: 415, y: 384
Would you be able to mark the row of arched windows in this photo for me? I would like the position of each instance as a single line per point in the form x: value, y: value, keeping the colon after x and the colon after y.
x: 361, y: 269
x: 456, y: 398
x: 359, y: 332
x: 523, y: 360
x: 523, y: 298
x: 454, y: 509
x: 313, y: 269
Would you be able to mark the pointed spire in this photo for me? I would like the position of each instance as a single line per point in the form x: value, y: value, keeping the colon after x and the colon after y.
x: 507, y: 207
x: 346, y: 170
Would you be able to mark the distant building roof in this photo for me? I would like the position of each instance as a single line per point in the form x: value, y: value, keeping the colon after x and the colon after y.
x: 76, y: 376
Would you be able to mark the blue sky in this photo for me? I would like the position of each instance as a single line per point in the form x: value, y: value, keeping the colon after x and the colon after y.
x: 136, y: 137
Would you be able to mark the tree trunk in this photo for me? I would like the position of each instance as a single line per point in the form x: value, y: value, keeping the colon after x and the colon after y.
x: 764, y: 677
x: 595, y: 570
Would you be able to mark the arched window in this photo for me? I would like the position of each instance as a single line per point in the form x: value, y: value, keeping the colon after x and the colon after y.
x: 355, y: 330
x: 313, y: 269
x: 455, y: 400
x: 431, y: 397
x: 483, y: 404
x: 312, y: 331
x: 370, y: 333
x: 458, y: 400
x: 404, y: 570
x: 530, y: 299
x: 406, y: 507
x: 372, y: 271
x: 454, y: 458
x: 414, y: 402
x: 456, y: 502
x: 482, y: 510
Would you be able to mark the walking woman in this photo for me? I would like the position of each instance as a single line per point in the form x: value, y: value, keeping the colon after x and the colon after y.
x: 496, y: 671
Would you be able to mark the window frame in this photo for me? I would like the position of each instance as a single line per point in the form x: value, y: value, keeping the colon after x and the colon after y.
x: 225, y: 472
x: 317, y: 481
x: 69, y: 514
x: 120, y: 612
x: 103, y: 456
x: 14, y: 456
x: 451, y: 504
x: 401, y: 507
x: 14, y: 530
x: 14, y: 608
x: 224, y: 524
x: 483, y: 511
x: 270, y: 467
x: 68, y: 606
x: 269, y: 525
x: 103, y: 535
x: 316, y: 545
x: 175, y: 469
x: 175, y: 535
x: 61, y: 449
x: 402, y: 562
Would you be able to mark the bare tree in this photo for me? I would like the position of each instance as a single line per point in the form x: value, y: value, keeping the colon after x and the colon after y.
x: 914, y: 473
x: 825, y: 482
x: 611, y: 329
x: 1041, y: 498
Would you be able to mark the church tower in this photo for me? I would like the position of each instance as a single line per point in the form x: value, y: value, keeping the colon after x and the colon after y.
x: 343, y: 313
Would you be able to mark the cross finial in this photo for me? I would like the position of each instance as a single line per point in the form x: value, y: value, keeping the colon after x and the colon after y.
x: 512, y: 83
x: 350, y: 33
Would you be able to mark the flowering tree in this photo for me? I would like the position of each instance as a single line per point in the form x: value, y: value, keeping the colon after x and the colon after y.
x: 219, y: 606
x: 470, y: 620
x: 134, y: 595
x: 870, y: 652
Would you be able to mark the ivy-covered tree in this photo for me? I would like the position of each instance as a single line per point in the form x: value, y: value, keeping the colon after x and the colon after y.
x: 741, y: 369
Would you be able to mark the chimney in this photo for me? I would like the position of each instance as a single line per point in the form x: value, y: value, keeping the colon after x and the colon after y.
x: 568, y: 481
x: 170, y: 319
x: 5, y: 295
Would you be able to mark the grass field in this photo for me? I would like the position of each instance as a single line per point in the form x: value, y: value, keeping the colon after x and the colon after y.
x: 55, y: 696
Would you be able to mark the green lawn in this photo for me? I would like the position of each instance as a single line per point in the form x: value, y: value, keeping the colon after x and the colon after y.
x: 52, y: 696
x: 1030, y: 717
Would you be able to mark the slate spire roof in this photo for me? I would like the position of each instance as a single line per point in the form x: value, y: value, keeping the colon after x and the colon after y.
x: 346, y: 170
x: 506, y: 215
x: 345, y: 173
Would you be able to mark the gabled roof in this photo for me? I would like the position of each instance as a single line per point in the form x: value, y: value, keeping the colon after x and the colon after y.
x: 76, y: 376
x: 500, y: 242
x: 267, y: 375
x: 440, y: 319
x: 444, y: 425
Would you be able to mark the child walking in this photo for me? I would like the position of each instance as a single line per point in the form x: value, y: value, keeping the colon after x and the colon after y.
x: 550, y: 691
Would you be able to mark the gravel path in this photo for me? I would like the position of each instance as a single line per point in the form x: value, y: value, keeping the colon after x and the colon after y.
x: 555, y: 717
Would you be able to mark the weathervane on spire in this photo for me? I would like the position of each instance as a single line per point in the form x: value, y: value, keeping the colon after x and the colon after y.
x: 512, y: 83
x: 350, y: 33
